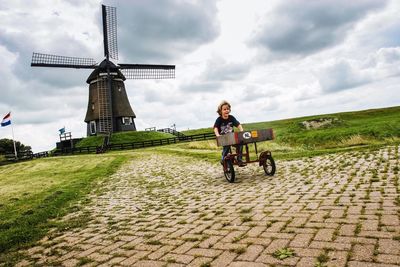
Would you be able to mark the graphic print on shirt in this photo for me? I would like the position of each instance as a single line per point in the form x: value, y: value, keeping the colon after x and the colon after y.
x: 227, y: 128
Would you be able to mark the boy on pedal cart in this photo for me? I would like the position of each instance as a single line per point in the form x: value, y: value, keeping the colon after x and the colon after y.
x: 224, y: 124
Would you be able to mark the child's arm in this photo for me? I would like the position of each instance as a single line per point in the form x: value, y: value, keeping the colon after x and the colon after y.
x: 240, y: 128
x: 216, y: 131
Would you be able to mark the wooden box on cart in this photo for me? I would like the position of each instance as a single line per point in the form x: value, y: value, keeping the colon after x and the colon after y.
x: 245, y: 137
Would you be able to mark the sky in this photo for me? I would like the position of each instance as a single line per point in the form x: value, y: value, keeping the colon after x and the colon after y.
x: 270, y: 59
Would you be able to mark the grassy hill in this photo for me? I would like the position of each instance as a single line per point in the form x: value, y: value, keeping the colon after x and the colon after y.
x: 295, y: 137
x: 373, y: 126
x: 379, y: 124
x: 342, y: 131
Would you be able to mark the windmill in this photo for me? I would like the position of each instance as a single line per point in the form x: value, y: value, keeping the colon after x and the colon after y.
x: 108, y: 109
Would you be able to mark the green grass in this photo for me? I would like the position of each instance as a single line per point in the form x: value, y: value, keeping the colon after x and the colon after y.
x: 369, y: 126
x: 360, y: 129
x: 129, y: 137
x: 90, y: 141
x: 33, y: 192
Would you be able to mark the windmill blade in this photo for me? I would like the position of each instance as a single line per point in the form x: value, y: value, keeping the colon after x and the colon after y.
x: 146, y: 71
x: 110, y: 31
x: 46, y: 60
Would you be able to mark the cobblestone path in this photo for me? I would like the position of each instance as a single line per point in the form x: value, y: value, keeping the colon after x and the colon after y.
x: 334, y: 210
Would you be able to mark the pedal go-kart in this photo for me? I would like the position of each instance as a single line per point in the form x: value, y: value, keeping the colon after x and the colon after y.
x: 245, y: 138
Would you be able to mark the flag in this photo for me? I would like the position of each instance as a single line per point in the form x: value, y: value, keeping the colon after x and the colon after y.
x: 6, y: 120
x: 62, y: 130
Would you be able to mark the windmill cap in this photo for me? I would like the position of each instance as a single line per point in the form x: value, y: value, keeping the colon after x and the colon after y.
x: 102, y: 68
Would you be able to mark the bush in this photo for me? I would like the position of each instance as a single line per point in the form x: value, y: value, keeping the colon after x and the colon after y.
x: 7, y: 146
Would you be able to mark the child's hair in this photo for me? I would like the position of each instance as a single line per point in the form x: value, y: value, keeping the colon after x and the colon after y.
x: 223, y: 103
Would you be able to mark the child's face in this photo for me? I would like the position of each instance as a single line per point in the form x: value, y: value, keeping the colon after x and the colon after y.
x: 225, y: 110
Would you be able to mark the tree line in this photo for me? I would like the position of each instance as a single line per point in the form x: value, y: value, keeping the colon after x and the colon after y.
x: 7, y: 146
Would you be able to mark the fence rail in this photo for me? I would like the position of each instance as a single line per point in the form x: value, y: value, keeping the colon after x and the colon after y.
x: 21, y: 155
x: 77, y: 150
x: 41, y: 154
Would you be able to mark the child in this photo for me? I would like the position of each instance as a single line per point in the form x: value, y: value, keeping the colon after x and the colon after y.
x: 224, y: 124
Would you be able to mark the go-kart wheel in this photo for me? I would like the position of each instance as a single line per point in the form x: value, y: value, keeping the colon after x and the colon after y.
x: 229, y: 172
x: 269, y: 165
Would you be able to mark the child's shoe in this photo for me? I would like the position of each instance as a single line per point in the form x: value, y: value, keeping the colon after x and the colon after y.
x: 241, y: 163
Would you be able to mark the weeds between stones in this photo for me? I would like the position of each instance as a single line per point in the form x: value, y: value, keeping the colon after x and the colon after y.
x: 284, y: 253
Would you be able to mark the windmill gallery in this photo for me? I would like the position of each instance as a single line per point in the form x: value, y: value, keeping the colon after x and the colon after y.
x: 108, y: 108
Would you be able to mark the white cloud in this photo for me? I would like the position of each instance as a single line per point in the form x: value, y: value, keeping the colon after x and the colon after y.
x: 341, y: 75
x: 256, y: 92
x: 218, y: 69
x: 302, y: 28
x: 307, y: 92
x: 345, y: 74
x: 161, y: 31
x: 385, y: 61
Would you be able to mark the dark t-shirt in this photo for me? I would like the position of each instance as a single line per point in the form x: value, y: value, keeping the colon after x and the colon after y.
x: 226, y: 126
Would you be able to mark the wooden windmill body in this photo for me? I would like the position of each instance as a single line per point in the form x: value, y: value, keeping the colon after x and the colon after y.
x: 108, y: 108
x: 97, y: 114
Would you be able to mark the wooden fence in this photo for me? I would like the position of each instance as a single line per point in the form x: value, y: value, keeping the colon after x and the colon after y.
x: 25, y: 155
x: 161, y: 142
x: 76, y: 150
x: 100, y: 149
x: 136, y: 145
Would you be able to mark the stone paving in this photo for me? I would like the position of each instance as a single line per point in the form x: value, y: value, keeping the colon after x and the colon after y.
x: 160, y: 210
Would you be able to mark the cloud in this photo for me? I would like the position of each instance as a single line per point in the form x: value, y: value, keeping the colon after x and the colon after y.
x: 40, y: 28
x: 218, y: 69
x: 307, y: 91
x: 342, y: 74
x: 299, y: 28
x: 259, y: 108
x: 386, y: 58
x: 16, y: 44
x: 21, y: 92
x: 155, y: 91
x: 216, y: 73
x: 257, y: 92
x: 201, y: 86
x: 378, y: 30
x: 157, y: 31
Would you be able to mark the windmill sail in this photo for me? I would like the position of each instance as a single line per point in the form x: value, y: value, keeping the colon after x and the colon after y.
x: 110, y: 32
x: 147, y: 71
x: 46, y: 60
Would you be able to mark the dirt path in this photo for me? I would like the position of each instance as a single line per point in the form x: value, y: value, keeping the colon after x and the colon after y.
x: 334, y: 210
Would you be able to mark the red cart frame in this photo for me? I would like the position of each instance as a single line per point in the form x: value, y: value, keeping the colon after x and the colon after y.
x: 245, y: 138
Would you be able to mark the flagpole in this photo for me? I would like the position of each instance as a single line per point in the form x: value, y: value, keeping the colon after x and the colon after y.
x: 15, y: 149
